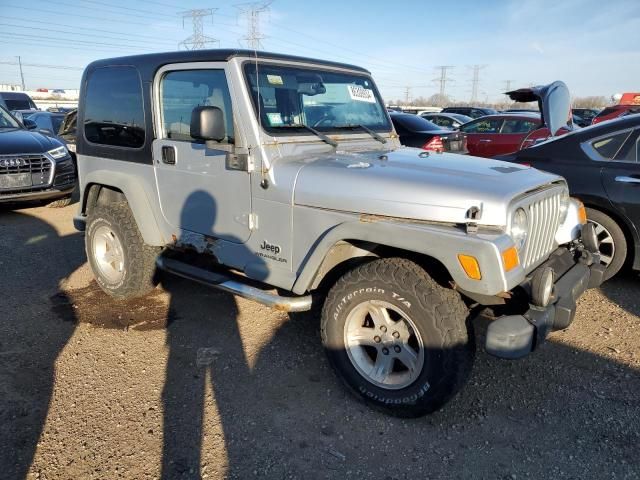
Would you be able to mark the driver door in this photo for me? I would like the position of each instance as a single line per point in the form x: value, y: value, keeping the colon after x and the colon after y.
x: 199, y: 190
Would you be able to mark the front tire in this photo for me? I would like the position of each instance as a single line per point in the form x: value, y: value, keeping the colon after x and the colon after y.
x: 398, y: 339
x: 123, y: 265
x: 612, y: 243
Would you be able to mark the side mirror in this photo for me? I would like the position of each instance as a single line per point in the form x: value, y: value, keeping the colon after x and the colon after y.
x: 30, y: 124
x: 207, y: 123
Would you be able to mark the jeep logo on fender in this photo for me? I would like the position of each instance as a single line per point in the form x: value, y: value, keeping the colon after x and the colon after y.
x: 270, y: 248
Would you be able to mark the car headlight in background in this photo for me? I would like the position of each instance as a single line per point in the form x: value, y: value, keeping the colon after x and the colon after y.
x: 519, y: 228
x: 57, y: 153
x: 564, y: 206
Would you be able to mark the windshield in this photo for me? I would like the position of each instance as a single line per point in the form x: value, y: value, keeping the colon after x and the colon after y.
x: 19, y: 104
x: 6, y: 120
x: 323, y: 100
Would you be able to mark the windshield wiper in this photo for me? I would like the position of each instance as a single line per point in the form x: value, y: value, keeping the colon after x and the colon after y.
x: 320, y: 135
x: 366, y: 129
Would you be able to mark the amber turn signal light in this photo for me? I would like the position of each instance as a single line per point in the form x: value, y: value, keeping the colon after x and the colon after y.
x: 470, y: 266
x: 510, y: 259
x: 582, y: 214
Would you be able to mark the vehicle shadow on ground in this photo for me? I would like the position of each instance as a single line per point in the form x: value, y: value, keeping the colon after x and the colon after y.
x: 33, y: 261
x: 561, y: 412
x: 283, y: 414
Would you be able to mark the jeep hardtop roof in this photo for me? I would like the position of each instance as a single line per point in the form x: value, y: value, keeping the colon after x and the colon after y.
x: 149, y: 63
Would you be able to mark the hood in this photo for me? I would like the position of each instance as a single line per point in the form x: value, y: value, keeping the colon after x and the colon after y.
x: 439, y: 187
x: 554, y: 102
x: 25, y: 141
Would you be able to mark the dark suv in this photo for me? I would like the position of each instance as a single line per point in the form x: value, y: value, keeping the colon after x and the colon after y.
x: 33, y: 166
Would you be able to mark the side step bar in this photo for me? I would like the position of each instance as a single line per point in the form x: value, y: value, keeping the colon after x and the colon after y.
x: 228, y: 284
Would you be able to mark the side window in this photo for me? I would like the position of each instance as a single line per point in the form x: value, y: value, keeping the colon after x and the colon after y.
x: 183, y: 90
x: 483, y: 126
x: 41, y: 121
x: 518, y: 126
x: 114, y: 112
x: 630, y: 151
x: 609, y: 147
x: 442, y: 121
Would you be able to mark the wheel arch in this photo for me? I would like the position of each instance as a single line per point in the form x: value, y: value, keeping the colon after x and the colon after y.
x: 97, y: 192
x: 630, y: 234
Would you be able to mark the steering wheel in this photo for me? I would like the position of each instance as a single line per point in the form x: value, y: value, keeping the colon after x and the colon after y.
x: 325, y: 119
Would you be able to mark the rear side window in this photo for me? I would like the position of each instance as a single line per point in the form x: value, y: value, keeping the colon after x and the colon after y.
x: 114, y: 112
x: 607, y: 111
x: 518, y: 126
x: 608, y: 147
x: 483, y: 126
x: 630, y: 151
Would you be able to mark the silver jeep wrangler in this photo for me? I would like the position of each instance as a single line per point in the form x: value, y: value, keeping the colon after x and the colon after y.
x: 286, y: 179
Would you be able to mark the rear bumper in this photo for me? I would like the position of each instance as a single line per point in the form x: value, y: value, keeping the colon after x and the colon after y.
x: 515, y: 336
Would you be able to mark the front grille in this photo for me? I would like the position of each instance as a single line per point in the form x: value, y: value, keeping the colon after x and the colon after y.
x: 24, y: 172
x: 544, y: 220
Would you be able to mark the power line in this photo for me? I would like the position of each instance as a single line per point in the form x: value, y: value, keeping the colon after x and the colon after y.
x: 30, y: 21
x: 73, y: 41
x: 252, y: 12
x: 40, y: 65
x: 90, y: 17
x: 198, y: 40
x: 67, y: 32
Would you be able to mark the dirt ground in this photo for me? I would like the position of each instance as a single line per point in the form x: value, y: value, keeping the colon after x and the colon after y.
x: 193, y: 383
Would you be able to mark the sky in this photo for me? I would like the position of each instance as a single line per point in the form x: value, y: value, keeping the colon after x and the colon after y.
x: 592, y: 45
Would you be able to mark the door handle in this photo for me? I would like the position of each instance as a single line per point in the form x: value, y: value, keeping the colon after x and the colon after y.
x: 169, y: 154
x: 485, y: 141
x: 625, y: 179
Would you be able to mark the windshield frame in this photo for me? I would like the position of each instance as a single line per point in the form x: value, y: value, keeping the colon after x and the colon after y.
x: 336, y: 130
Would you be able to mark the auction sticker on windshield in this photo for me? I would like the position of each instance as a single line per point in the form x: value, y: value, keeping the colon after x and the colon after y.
x: 361, y: 94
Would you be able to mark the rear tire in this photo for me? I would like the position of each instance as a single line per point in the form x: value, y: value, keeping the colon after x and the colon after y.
x: 611, y: 240
x: 410, y: 360
x: 123, y: 265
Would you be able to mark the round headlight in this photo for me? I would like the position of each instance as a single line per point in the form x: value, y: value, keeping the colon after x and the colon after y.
x: 519, y: 228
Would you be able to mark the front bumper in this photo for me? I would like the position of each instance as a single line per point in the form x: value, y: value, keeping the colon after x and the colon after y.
x: 514, y: 336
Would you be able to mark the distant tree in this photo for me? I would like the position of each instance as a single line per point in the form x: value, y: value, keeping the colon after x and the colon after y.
x: 439, y: 100
x: 590, y: 102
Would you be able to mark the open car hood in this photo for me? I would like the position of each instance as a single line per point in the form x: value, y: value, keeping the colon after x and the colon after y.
x: 553, y: 100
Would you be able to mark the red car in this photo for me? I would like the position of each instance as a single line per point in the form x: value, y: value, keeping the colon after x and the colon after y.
x: 509, y: 132
x: 503, y: 133
x: 628, y: 105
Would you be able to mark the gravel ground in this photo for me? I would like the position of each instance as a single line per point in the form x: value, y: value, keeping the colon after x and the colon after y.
x: 193, y: 383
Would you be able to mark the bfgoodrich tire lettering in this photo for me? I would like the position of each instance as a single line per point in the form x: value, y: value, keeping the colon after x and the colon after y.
x: 439, y: 317
x: 133, y: 269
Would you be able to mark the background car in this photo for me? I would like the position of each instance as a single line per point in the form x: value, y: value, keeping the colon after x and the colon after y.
x: 452, y: 121
x: 33, y: 166
x: 16, y: 101
x: 587, y: 114
x: 46, y: 122
x: 415, y: 131
x: 500, y: 134
x: 616, y: 111
x: 473, y: 112
x: 602, y: 166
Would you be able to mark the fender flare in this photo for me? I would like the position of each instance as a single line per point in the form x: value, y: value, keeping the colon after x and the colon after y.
x: 136, y: 197
x: 442, y: 243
